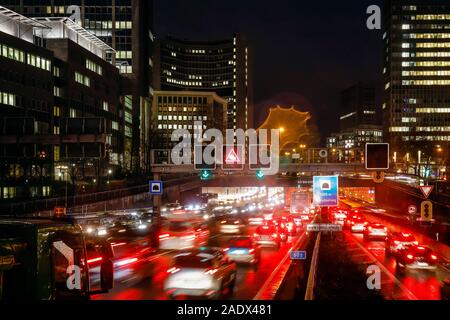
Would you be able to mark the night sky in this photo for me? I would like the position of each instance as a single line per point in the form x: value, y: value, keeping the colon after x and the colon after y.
x: 305, y: 52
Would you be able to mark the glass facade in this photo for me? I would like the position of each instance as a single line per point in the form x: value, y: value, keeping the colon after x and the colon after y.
x: 417, y: 74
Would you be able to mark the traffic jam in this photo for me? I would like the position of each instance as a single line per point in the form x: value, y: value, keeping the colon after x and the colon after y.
x: 229, y: 249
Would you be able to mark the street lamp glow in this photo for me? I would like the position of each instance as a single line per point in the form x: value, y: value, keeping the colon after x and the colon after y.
x: 281, y: 129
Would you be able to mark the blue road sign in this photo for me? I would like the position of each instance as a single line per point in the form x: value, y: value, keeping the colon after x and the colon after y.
x: 156, y: 188
x: 298, y: 255
x: 326, y: 189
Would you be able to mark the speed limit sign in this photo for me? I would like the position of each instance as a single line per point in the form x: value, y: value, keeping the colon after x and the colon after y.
x: 412, y: 209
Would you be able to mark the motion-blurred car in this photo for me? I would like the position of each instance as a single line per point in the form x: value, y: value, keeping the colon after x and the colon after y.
x: 132, y: 261
x: 396, y: 241
x: 416, y: 257
x: 255, y: 220
x: 231, y: 226
x: 358, y: 224
x: 375, y: 231
x: 204, y: 272
x: 287, y: 226
x: 243, y: 250
x: 267, y: 236
x: 179, y: 235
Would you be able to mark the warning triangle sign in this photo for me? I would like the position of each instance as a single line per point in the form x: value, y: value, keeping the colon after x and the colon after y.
x: 426, y: 191
x: 232, y: 157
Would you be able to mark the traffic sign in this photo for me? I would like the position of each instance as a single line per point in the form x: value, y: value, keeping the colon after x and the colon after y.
x: 378, y: 177
x: 412, y: 209
x: 426, y: 191
x: 260, y: 175
x: 156, y: 187
x: 298, y: 255
x: 427, y: 211
x: 325, y: 190
x: 234, y: 157
x: 206, y: 175
x: 377, y: 156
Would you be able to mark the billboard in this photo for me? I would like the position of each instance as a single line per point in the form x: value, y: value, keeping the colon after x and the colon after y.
x: 326, y: 191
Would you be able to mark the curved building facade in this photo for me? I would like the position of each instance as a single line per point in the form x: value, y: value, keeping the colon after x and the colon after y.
x: 223, y: 67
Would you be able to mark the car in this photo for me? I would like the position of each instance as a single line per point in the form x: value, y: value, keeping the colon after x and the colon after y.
x: 203, y: 272
x: 287, y: 226
x: 243, y: 250
x: 179, y: 235
x: 267, y: 236
x: 396, y: 241
x: 358, y: 224
x: 375, y: 231
x: 255, y: 220
x: 231, y: 226
x: 132, y: 258
x: 416, y: 257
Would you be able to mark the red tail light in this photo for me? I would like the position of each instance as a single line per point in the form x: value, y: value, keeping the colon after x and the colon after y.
x: 396, y: 242
x: 164, y: 236
x: 173, y: 270
x: 433, y: 257
x: 370, y: 228
x: 275, y: 235
x: 416, y: 243
x: 95, y: 260
x: 251, y: 250
x: 226, y: 249
x: 255, y: 234
x: 410, y: 256
x: 385, y: 229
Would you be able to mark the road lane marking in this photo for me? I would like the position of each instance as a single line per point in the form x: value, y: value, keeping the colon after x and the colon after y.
x: 277, y: 269
x: 409, y: 294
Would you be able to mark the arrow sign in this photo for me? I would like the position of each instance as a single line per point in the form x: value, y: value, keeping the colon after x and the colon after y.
x: 260, y: 174
x: 426, y: 191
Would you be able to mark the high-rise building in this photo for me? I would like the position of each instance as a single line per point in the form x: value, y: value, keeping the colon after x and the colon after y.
x: 416, y: 108
x: 61, y: 115
x: 358, y: 106
x: 223, y: 67
x: 358, y: 118
x: 126, y: 26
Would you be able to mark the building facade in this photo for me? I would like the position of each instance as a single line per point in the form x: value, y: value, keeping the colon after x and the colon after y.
x: 358, y: 118
x: 62, y: 117
x: 416, y: 108
x: 223, y: 67
x: 174, y: 110
x: 127, y: 27
x: 358, y: 106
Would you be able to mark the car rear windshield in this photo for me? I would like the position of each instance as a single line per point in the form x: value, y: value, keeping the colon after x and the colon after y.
x: 199, y: 260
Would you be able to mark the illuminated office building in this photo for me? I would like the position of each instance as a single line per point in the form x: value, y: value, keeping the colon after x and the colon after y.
x: 223, y: 67
x: 126, y: 26
x: 174, y: 110
x: 416, y: 108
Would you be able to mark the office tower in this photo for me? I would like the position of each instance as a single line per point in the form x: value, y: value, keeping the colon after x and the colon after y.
x: 358, y: 106
x: 223, y: 67
x: 126, y: 26
x: 416, y: 108
x: 61, y: 115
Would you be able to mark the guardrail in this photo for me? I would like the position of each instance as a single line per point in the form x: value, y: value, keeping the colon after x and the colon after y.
x: 309, y: 295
